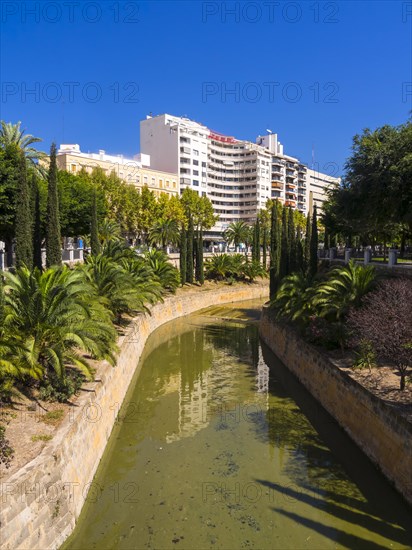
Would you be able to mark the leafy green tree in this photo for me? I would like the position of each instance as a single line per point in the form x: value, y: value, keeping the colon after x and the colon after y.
x: 313, y: 258
x: 76, y: 196
x: 9, y: 175
x: 24, y: 238
x: 374, y: 200
x: 53, y: 237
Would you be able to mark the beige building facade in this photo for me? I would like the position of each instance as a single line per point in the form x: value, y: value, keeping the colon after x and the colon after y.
x: 134, y: 171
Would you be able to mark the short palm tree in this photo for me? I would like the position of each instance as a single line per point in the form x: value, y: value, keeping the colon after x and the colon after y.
x: 57, y: 320
x: 345, y: 287
x: 218, y: 266
x: 293, y: 300
x: 119, y: 286
x: 253, y: 270
x: 12, y: 134
x: 163, y: 271
x: 237, y: 232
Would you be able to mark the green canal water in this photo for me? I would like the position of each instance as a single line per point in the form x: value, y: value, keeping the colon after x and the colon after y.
x: 218, y: 446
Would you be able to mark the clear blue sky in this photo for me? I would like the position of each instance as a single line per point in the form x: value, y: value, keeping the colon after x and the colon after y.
x: 314, y: 72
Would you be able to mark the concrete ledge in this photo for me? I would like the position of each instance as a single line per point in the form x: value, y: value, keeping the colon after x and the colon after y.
x: 42, y: 501
x: 382, y: 434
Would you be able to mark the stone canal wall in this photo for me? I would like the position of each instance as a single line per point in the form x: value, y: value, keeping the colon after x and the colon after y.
x: 383, y: 435
x: 41, y: 502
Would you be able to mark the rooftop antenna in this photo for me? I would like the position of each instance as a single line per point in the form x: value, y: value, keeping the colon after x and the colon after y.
x: 269, y: 131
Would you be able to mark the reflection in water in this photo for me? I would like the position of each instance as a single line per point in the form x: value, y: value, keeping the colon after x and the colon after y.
x: 220, y: 447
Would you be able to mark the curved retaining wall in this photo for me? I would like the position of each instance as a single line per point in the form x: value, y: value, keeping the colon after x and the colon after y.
x: 41, y: 502
x: 383, y: 435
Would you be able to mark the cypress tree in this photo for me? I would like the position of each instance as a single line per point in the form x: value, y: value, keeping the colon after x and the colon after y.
x: 183, y: 256
x: 24, y: 238
x: 256, y: 242
x: 264, y: 247
x: 189, y: 259
x: 299, y: 250
x: 292, y: 241
x: 313, y: 262
x: 284, y: 252
x: 1, y: 299
x: 53, y: 237
x: 306, y: 254
x: 200, y: 277
x: 37, y: 236
x: 274, y: 251
x: 326, y: 243
x: 94, y: 229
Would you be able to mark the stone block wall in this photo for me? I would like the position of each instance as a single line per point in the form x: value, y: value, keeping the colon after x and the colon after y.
x: 383, y: 435
x: 40, y: 503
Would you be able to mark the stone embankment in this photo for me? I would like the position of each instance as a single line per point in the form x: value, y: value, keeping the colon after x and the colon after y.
x: 41, y: 502
x: 383, y: 435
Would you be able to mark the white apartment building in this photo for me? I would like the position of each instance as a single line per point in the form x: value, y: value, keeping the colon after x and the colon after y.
x: 289, y: 176
x: 318, y: 184
x: 234, y: 174
x: 238, y: 176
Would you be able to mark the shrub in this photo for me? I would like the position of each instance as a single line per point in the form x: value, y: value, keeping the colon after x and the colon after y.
x: 385, y: 321
x: 6, y: 452
x: 58, y: 389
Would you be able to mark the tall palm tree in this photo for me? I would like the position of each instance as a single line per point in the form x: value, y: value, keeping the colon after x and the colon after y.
x: 12, y: 134
x: 57, y: 320
x: 164, y: 233
x: 109, y: 231
x: 237, y: 232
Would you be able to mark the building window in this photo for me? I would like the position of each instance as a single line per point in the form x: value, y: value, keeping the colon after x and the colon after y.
x: 195, y: 182
x: 195, y: 152
x: 145, y: 180
x: 73, y: 168
x: 167, y: 183
x: 154, y: 182
x: 196, y: 162
x: 161, y: 184
x: 195, y: 172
